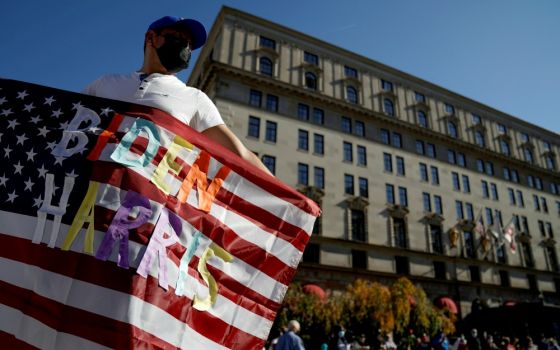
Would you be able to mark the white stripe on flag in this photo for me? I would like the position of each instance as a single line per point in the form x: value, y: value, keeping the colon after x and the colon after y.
x: 33, y: 332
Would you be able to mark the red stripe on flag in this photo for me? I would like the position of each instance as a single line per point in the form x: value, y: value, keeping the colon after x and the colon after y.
x: 8, y: 341
x: 86, y: 268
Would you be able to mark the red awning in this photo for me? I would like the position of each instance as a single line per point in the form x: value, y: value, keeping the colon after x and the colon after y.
x: 446, y: 303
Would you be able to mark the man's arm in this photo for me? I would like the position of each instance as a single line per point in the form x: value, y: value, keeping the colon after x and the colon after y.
x: 225, y: 137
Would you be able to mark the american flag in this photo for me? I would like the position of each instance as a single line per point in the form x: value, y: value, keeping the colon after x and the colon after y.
x: 123, y: 228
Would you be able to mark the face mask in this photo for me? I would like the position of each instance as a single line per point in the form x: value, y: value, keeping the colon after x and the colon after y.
x: 174, y: 54
x: 341, y: 334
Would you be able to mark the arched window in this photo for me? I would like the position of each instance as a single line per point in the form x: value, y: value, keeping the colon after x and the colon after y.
x: 266, y: 66
x: 479, y: 138
x: 504, y: 147
x: 351, y: 94
x: 452, y: 129
x: 529, y: 155
x: 388, y: 107
x: 310, y: 81
x: 422, y: 119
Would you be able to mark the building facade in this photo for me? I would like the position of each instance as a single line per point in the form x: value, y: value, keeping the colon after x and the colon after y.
x: 403, y: 169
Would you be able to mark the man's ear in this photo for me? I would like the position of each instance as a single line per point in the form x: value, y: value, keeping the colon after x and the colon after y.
x: 149, y: 38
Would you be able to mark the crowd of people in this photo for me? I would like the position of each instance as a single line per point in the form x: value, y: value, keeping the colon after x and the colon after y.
x: 340, y: 339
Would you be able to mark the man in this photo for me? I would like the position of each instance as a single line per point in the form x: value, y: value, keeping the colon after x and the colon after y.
x: 168, y: 43
x: 290, y: 340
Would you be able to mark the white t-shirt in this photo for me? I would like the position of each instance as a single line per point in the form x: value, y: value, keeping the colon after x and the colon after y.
x: 191, y: 106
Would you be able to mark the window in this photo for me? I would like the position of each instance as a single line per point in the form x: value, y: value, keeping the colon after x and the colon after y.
x: 489, y: 168
x: 520, y: 198
x: 400, y: 233
x: 303, y: 140
x: 438, y: 205
x: 525, y: 224
x: 272, y: 103
x: 312, y: 253
x: 538, y: 183
x: 318, y: 144
x: 349, y: 184
x: 386, y: 85
x: 514, y: 176
x: 400, y: 166
x: 532, y: 279
x: 530, y: 181
x: 359, y: 259
x: 363, y: 187
x: 549, y: 230
x: 423, y: 172
x: 346, y: 125
x: 266, y: 66
x: 350, y: 72
x: 310, y: 58
x: 255, y: 98
x: 254, y: 127
x: 358, y: 225
x: 527, y: 253
x: 502, y: 130
x: 544, y: 205
x: 506, y: 173
x: 480, y: 165
x: 440, y: 271
x: 318, y: 116
x: 475, y: 273
x: 552, y: 258
x: 504, y: 278
x: 403, y: 197
x: 546, y: 146
x: 266, y: 42
x: 271, y: 128
x: 449, y: 109
x: 401, y: 265
x: 426, y: 202
x: 420, y: 147
x: 347, y: 152
x: 511, y: 195
x: 303, y: 174
x: 476, y: 119
x: 388, y: 107
x: 554, y: 188
x: 489, y: 217
x: 270, y: 163
x: 451, y: 156
x: 362, y: 158
x: 536, y: 203
x: 466, y: 184
x: 528, y: 155
x: 452, y: 129
x: 359, y: 128
x: 494, y: 190
x: 385, y: 136
x: 459, y: 210
x: 470, y: 211
x: 351, y: 94
x: 431, y: 150
x: 550, y: 162
x: 387, y: 162
x: 419, y: 97
x: 390, y: 193
x: 319, y: 177
x: 422, y: 119
x: 479, y: 138
x: 397, y: 140
x: 437, y: 239
x: 470, y: 249
x: 541, y: 228
x: 504, y: 147
x: 461, y: 160
x: 455, y: 181
x: 524, y: 137
x: 303, y: 111
x: 485, y: 190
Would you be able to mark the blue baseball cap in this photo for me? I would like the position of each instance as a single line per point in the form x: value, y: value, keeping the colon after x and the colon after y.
x: 191, y: 26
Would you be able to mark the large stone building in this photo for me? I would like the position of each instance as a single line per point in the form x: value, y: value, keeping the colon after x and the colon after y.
x: 402, y: 168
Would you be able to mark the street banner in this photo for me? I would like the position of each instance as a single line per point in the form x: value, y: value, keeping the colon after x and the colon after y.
x: 121, y: 227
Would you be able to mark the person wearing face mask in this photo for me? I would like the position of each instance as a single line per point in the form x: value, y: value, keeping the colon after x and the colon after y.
x: 168, y: 44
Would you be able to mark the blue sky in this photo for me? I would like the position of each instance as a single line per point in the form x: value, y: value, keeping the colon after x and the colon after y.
x: 503, y: 53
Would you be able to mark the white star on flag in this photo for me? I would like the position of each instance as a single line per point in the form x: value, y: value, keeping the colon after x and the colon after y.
x: 29, y: 107
x: 21, y: 139
x: 63, y: 126
x: 43, y: 131
x: 72, y: 174
x: 7, y: 151
x: 42, y: 171
x: 2, y: 100
x: 37, y: 202
x: 18, y: 168
x: 49, y: 101
x: 31, y: 155
x: 106, y: 111
x: 28, y: 184
x: 7, y: 112
x: 36, y: 119
x: 57, y: 113
x: 12, y: 124
x: 11, y: 197
x: 51, y: 145
x: 23, y: 94
x: 77, y: 105
x: 3, y: 180
x: 59, y: 160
